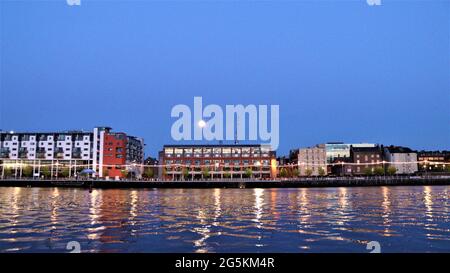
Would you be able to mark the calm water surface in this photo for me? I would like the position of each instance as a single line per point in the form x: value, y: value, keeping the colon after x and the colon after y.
x: 401, y: 219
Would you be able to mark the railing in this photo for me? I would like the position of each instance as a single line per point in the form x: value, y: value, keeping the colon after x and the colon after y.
x: 285, y: 180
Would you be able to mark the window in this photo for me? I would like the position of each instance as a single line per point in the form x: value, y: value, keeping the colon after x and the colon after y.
x: 188, y: 152
x: 168, y: 151
x: 207, y: 152
x: 178, y: 152
x: 197, y: 152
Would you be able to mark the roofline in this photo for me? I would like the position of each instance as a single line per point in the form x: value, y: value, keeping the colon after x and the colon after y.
x: 46, y: 133
x: 214, y: 145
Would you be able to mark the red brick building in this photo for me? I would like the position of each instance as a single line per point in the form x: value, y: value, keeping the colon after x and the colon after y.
x: 114, y: 154
x: 120, y: 155
x: 216, y: 161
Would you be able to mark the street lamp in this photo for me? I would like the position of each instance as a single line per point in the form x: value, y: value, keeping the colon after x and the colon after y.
x: 258, y: 165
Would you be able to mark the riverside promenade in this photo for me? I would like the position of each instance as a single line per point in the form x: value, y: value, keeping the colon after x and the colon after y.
x: 236, y: 183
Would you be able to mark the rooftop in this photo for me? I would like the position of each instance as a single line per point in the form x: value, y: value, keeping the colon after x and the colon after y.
x: 399, y: 149
x: 214, y: 145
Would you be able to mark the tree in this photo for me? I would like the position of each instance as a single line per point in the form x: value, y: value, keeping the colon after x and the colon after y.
x: 295, y: 173
x: 186, y: 173
x: 379, y: 170
x: 368, y: 171
x: 391, y: 170
x: 124, y: 173
x: 45, y: 171
x: 206, y: 172
x: 447, y: 168
x: 64, y: 172
x: 308, y: 172
x: 148, y: 172
x: 283, y: 172
x: 248, y: 172
x: 227, y: 174
x: 321, y: 171
x: 27, y: 171
x: 7, y: 171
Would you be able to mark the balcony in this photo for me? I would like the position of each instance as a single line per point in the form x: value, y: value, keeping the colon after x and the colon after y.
x: 4, y: 152
x: 59, y: 153
x: 76, y: 153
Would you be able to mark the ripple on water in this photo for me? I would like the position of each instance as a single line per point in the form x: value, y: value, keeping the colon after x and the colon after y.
x: 224, y: 220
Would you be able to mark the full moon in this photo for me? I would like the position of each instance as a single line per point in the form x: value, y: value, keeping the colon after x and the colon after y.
x: 201, y: 123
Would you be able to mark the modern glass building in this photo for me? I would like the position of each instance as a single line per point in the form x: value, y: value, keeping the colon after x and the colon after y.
x: 341, y: 149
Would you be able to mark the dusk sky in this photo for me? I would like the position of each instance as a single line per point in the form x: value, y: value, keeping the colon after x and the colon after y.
x: 340, y: 70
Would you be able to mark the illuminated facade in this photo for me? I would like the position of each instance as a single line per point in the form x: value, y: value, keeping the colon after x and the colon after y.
x: 366, y: 158
x: 67, y: 153
x: 180, y: 162
x: 433, y: 161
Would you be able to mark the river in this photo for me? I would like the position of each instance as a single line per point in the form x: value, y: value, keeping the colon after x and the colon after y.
x: 399, y: 219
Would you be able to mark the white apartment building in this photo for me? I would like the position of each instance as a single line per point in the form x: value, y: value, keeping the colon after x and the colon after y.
x: 69, y: 150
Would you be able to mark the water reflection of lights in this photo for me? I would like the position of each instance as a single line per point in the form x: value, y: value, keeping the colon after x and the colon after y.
x: 94, y: 215
x: 54, y: 207
x: 304, y: 211
x: 15, y: 208
x: 343, y: 198
x: 343, y: 206
x: 428, y: 201
x: 212, y: 220
x: 259, y: 202
x: 203, y: 231
x: 133, y: 209
x: 217, y: 207
x: 133, y: 205
x: 386, y: 205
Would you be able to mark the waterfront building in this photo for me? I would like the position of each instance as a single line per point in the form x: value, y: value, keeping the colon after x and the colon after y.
x: 342, y: 150
x: 402, y: 158
x: 341, y: 166
x: 311, y: 160
x: 188, y: 162
x: 433, y: 161
x: 151, y: 168
x: 365, y: 159
x: 108, y: 154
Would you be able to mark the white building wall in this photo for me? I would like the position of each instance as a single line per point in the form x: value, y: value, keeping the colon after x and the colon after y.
x: 312, y: 158
x: 405, y: 163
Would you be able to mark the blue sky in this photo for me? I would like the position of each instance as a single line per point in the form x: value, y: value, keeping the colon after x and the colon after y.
x: 340, y: 70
